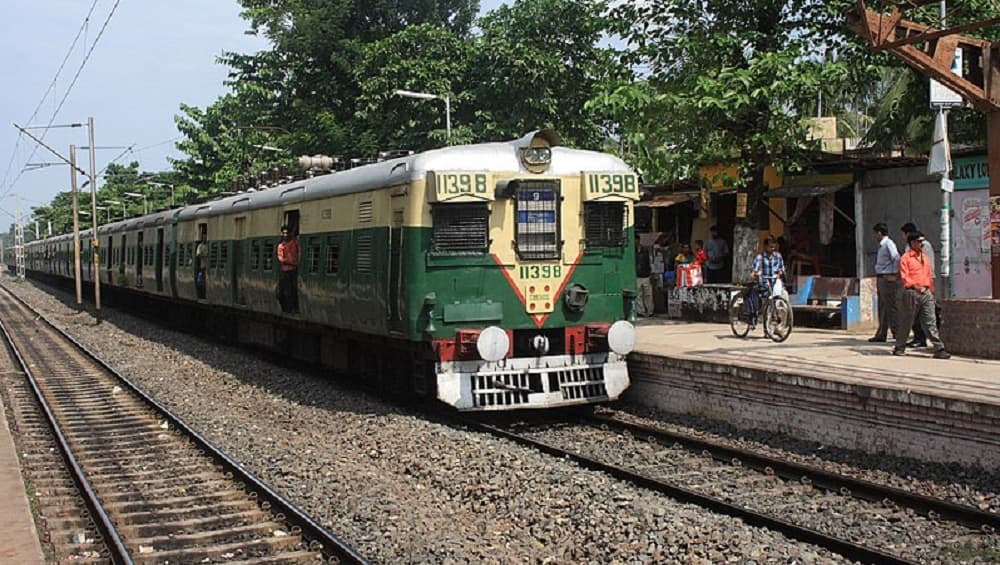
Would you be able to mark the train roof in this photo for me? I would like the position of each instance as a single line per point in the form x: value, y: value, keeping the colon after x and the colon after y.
x: 499, y: 157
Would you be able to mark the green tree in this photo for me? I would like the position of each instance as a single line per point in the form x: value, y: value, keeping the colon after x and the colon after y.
x: 422, y: 58
x: 727, y: 81
x: 536, y: 64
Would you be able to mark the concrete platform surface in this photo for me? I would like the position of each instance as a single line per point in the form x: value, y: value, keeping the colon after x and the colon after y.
x: 826, y: 354
x: 18, y: 537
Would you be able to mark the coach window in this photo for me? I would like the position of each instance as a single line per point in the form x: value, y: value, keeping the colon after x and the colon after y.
x: 254, y: 255
x: 312, y: 255
x: 538, y: 233
x: 223, y: 254
x: 461, y: 229
x: 604, y: 223
x: 213, y: 255
x: 268, y: 257
x: 332, y: 256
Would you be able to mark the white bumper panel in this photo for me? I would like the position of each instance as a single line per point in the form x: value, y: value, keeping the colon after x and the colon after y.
x: 532, y: 382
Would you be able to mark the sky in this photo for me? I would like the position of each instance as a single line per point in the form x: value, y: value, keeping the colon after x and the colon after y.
x: 153, y: 56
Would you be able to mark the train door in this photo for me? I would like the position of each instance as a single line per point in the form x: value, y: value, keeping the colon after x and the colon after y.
x: 122, y: 259
x: 237, y: 266
x: 158, y: 258
x: 173, y: 257
x: 110, y: 265
x: 201, y: 262
x: 140, y: 258
x: 395, y: 268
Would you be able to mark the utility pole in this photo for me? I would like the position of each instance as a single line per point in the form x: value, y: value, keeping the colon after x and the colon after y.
x: 931, y: 52
x: 96, y: 259
x: 76, y: 226
x: 19, y: 241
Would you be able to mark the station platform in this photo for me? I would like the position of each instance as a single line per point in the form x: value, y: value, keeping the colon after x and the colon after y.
x: 19, y: 542
x: 829, y: 386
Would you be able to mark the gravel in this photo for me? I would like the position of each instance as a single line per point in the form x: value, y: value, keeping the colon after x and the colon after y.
x: 393, y: 484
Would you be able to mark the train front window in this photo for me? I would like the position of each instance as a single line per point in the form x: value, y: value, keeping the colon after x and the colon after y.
x: 538, y: 219
x: 461, y: 229
x: 604, y: 223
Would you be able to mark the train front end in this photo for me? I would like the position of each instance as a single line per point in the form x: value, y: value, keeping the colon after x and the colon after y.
x: 528, y: 281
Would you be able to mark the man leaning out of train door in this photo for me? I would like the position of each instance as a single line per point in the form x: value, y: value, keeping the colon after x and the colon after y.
x: 288, y: 261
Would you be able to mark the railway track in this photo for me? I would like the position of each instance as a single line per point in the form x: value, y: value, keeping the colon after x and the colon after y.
x: 141, y: 486
x: 812, y: 505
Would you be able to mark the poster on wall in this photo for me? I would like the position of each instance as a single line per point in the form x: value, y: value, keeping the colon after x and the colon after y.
x: 995, y: 223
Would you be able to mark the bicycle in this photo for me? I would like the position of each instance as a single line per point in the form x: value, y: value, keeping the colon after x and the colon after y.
x: 755, y: 302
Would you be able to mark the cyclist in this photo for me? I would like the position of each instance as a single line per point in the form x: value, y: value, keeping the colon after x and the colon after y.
x: 768, y: 265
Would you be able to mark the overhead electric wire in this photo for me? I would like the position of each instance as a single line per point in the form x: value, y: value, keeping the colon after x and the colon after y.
x: 69, y: 89
x: 52, y: 85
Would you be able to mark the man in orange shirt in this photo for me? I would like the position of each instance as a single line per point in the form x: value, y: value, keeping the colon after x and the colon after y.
x: 288, y: 261
x: 918, y: 297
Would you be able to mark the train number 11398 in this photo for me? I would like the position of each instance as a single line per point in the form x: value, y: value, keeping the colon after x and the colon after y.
x: 460, y: 183
x: 611, y: 183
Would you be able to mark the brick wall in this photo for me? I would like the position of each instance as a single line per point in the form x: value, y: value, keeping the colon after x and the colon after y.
x: 971, y: 327
x: 852, y: 415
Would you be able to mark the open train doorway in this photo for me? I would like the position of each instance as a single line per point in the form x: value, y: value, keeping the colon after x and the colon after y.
x: 159, y: 260
x: 140, y: 258
x: 238, y: 259
x: 292, y: 221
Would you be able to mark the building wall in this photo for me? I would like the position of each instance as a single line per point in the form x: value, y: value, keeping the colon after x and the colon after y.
x: 896, y: 196
x: 970, y: 229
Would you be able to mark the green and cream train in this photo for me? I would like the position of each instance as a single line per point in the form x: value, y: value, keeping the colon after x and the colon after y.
x: 493, y: 276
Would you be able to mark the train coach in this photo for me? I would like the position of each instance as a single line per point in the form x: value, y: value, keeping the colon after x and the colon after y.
x: 493, y: 276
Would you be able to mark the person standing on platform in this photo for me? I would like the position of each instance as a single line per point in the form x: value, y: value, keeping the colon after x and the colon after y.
x: 918, y: 297
x: 887, y: 289
x: 717, y: 250
x: 919, y: 339
x: 644, y: 287
x: 288, y: 283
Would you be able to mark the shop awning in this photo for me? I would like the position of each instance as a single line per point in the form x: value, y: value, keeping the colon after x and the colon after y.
x: 805, y: 191
x: 664, y: 200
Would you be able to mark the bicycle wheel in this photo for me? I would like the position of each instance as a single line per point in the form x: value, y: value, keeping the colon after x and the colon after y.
x: 739, y: 316
x: 777, y: 319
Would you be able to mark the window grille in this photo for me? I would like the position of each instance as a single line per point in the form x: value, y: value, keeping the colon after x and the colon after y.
x: 461, y: 229
x: 364, y: 254
x: 332, y: 256
x: 604, y: 223
x: 312, y: 255
x: 213, y: 255
x: 268, y: 258
x: 254, y: 255
x: 223, y: 254
x: 538, y: 219
x: 190, y: 255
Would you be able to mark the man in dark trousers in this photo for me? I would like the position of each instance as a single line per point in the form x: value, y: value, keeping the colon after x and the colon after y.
x: 887, y: 271
x: 644, y: 287
x: 918, y: 296
x: 288, y: 277
x: 919, y: 339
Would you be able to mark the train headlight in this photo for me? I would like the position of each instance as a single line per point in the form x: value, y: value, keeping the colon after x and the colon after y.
x: 493, y: 344
x: 536, y: 156
x: 621, y: 337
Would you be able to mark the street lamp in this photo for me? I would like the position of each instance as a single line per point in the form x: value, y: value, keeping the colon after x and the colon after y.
x: 145, y: 203
x: 164, y: 184
x: 428, y: 96
x: 105, y: 208
x: 118, y: 203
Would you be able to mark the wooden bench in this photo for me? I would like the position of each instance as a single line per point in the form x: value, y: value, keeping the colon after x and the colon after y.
x: 823, y: 295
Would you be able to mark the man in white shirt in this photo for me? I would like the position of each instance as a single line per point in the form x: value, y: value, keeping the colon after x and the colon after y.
x: 887, y: 271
